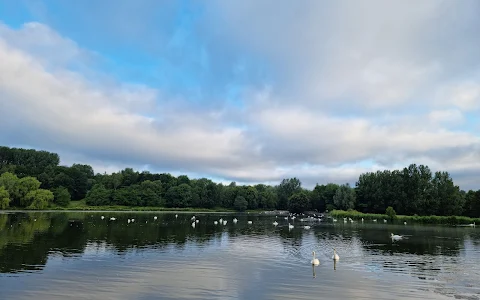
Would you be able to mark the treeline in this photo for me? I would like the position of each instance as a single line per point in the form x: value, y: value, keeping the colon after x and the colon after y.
x: 413, y: 190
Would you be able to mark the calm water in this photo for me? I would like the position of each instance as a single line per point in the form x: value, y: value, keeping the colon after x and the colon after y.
x: 80, y: 256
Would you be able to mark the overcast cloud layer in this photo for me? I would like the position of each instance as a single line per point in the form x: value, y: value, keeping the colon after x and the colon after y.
x: 246, y: 91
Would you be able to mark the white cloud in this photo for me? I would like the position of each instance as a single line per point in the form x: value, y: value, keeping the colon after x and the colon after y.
x: 385, y: 83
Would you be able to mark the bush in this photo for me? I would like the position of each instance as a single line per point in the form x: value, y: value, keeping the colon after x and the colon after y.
x: 390, y: 212
x: 61, y: 196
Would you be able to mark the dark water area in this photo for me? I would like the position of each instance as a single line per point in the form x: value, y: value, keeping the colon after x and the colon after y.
x: 79, y: 255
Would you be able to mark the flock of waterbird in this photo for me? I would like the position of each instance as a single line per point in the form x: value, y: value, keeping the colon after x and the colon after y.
x: 291, y: 216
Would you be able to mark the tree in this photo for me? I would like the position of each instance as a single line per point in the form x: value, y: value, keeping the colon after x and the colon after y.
x: 98, y: 195
x: 39, y: 199
x: 390, y: 212
x: 240, y: 203
x: 10, y: 182
x: 4, y: 198
x: 26, y: 185
x: 472, y: 204
x: 151, y: 193
x: 179, y: 196
x: 61, y: 196
x: 183, y: 179
x: 286, y: 189
x: 299, y: 202
x: 344, y: 197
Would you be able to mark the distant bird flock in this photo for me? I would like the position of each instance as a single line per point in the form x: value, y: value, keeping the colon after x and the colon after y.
x: 290, y: 220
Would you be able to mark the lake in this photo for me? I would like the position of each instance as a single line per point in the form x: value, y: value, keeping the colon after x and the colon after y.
x: 79, y: 255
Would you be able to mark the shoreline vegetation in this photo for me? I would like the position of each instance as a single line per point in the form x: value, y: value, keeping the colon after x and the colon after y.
x: 35, y: 180
x: 438, y: 220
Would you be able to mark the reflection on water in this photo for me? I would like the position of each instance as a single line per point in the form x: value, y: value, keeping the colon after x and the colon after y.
x: 79, y: 255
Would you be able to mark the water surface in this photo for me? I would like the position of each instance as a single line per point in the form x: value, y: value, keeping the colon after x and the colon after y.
x: 79, y: 255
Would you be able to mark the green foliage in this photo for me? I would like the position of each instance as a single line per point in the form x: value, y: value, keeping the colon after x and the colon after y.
x: 98, y: 195
x: 4, y: 198
x: 61, y: 196
x: 299, y: 202
x: 413, y: 190
x: 390, y: 212
x: 344, y: 197
x: 179, y: 196
x: 25, y: 186
x: 447, y: 220
x: 39, y: 199
x: 286, y: 189
x: 240, y: 203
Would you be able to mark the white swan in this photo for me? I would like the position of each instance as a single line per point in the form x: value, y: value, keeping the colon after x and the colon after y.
x: 176, y: 216
x: 396, y: 237
x: 315, y: 261
x: 249, y: 222
x: 472, y: 224
x: 215, y: 222
x: 235, y: 220
x: 290, y: 226
x: 193, y: 224
x: 306, y: 227
x: 155, y: 217
x: 335, y: 255
x: 224, y: 222
x: 102, y: 217
x: 275, y: 223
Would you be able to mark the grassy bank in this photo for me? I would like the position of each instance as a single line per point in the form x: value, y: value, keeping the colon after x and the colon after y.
x: 450, y: 220
x: 82, y: 206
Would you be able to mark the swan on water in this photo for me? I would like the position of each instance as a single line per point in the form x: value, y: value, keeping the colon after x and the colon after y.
x: 176, y: 216
x: 235, y: 220
x: 306, y: 227
x: 249, y: 222
x: 290, y: 226
x: 404, y: 223
x: 275, y: 223
x: 102, y: 217
x: 215, y: 222
x: 396, y: 236
x: 315, y: 261
x: 335, y: 255
x: 155, y: 217
x: 472, y: 224
x: 193, y: 224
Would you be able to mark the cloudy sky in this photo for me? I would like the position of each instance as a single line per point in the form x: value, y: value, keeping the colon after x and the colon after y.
x: 246, y: 91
